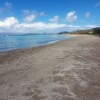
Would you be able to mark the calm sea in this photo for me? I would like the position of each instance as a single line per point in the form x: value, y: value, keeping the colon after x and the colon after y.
x: 12, y: 42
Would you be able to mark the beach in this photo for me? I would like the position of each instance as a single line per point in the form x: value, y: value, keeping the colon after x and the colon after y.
x: 65, y: 70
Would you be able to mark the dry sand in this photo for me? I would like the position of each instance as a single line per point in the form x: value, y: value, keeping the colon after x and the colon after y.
x: 66, y: 70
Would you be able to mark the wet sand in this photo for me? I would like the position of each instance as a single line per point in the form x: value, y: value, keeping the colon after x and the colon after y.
x: 66, y: 70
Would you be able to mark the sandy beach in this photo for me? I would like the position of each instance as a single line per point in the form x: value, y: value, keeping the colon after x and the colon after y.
x: 66, y: 70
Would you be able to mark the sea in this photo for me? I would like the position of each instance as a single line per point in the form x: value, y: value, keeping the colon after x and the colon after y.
x: 13, y: 42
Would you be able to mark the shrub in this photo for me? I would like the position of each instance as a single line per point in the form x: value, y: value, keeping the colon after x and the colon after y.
x: 96, y: 31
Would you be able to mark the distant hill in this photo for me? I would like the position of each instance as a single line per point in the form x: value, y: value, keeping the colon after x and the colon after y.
x: 65, y: 32
x: 93, y: 31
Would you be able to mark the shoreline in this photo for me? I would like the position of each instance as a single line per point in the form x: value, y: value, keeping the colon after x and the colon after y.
x: 39, y: 45
x: 52, y: 42
x: 24, y: 50
x: 69, y: 70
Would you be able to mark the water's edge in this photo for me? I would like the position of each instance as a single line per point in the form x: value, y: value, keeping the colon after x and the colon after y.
x: 40, y: 44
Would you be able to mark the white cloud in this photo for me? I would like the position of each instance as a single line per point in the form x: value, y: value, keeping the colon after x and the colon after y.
x: 91, y: 26
x: 71, y: 17
x: 12, y: 25
x: 31, y: 15
x: 55, y: 19
x: 88, y: 15
x: 39, y: 27
x: 29, y: 18
x: 97, y: 4
x: 8, y: 25
x: 9, y: 21
x: 55, y: 25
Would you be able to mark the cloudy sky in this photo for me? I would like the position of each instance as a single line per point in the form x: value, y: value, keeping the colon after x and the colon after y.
x: 51, y: 16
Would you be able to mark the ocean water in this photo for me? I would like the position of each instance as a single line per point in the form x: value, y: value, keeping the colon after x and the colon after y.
x: 12, y: 42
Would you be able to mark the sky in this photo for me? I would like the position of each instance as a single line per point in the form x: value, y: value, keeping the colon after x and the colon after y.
x: 49, y: 16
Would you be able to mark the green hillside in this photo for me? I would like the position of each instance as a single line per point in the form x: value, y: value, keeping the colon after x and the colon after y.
x: 94, y: 31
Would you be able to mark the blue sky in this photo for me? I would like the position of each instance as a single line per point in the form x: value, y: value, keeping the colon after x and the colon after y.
x: 38, y: 16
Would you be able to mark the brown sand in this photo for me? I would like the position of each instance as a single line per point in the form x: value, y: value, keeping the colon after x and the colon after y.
x: 66, y: 70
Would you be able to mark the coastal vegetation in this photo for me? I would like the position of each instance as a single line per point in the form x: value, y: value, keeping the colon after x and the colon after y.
x: 93, y: 31
x: 96, y: 31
